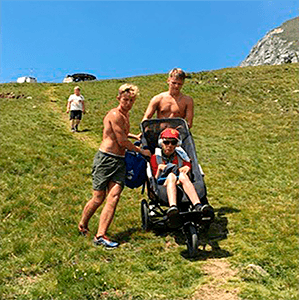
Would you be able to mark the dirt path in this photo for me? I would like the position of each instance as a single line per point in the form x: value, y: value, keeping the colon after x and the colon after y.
x: 221, y: 282
x: 50, y: 93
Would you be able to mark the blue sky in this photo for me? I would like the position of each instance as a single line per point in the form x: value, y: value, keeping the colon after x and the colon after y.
x: 116, y: 39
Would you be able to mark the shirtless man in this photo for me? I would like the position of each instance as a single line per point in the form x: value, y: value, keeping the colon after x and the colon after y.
x: 109, y: 166
x: 172, y: 104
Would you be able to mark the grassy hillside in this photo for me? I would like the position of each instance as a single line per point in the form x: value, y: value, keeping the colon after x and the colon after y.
x: 246, y: 135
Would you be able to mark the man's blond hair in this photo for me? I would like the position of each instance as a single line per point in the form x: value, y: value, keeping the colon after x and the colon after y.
x: 129, y: 88
x: 77, y: 88
x: 177, y: 73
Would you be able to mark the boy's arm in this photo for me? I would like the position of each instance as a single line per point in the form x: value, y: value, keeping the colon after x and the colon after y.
x: 69, y: 104
x: 151, y: 109
x: 83, y: 106
x: 119, y: 129
x: 190, y: 112
x: 134, y: 136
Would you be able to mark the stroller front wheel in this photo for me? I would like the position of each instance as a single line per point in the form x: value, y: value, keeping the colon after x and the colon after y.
x: 191, y: 239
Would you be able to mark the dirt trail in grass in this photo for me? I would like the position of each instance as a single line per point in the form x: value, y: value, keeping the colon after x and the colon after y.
x: 219, y: 274
x: 50, y: 93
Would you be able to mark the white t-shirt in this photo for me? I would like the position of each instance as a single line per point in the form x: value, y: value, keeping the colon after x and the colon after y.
x: 76, y: 102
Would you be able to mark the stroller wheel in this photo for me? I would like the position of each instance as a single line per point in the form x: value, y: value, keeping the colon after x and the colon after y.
x: 191, y: 239
x: 145, y: 215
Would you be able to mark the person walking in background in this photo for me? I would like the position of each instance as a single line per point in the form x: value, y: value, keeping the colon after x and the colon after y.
x: 109, y: 167
x: 76, y: 108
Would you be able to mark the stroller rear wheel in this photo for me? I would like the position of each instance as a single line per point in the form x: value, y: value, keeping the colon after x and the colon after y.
x: 191, y: 239
x: 145, y: 215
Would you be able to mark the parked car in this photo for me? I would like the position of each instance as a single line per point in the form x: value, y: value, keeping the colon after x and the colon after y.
x: 79, y: 77
x: 26, y: 79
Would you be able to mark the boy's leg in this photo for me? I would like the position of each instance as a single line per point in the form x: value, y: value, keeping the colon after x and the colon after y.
x: 72, y: 121
x: 172, y: 212
x: 170, y: 185
x: 90, y: 208
x: 189, y: 188
x: 78, y: 117
x: 108, y: 211
x: 77, y: 121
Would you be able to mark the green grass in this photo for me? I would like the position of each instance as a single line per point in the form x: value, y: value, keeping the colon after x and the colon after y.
x: 246, y: 135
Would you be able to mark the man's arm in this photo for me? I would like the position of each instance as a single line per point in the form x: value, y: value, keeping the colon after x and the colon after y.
x: 152, y: 108
x: 190, y: 111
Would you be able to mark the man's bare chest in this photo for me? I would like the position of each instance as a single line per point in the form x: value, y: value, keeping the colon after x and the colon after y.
x: 171, y: 106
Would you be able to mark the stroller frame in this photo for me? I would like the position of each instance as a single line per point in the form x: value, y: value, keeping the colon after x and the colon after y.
x: 154, y: 214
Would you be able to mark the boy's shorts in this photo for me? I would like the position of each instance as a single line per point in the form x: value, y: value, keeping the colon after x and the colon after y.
x: 75, y: 114
x: 106, y: 168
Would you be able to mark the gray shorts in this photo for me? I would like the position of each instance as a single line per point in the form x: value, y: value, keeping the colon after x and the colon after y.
x: 108, y: 168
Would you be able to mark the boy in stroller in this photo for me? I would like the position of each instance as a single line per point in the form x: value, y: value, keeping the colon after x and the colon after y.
x: 171, y: 167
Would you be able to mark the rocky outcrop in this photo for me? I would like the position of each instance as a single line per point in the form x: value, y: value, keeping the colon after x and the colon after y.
x: 279, y: 46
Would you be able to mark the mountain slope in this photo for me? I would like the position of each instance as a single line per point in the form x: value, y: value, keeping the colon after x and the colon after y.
x: 279, y: 46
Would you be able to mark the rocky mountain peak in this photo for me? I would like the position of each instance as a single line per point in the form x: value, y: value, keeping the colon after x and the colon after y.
x: 278, y: 46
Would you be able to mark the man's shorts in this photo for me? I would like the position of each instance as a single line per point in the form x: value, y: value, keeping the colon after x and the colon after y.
x: 75, y: 114
x: 106, y: 168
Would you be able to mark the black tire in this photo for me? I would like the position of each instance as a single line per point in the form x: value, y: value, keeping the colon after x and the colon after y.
x: 145, y: 215
x: 191, y: 239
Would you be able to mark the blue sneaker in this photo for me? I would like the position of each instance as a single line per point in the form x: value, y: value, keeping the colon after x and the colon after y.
x: 105, y: 241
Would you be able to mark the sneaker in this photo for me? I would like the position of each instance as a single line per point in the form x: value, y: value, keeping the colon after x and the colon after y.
x: 73, y: 129
x: 208, y: 211
x: 173, y: 210
x: 105, y: 241
x: 173, y: 217
x: 198, y: 207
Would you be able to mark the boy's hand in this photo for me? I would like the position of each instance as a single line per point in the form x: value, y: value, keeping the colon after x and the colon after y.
x: 146, y: 152
x: 161, y: 167
x: 184, y: 169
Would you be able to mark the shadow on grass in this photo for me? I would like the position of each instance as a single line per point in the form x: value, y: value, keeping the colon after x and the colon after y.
x: 226, y: 210
x: 205, y: 255
x: 84, y: 130
x: 125, y: 236
x: 218, y: 231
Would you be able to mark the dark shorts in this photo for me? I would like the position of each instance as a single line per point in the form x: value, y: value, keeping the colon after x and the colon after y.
x: 75, y: 114
x: 108, y: 168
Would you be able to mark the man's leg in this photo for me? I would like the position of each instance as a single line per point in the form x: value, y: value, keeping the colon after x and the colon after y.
x: 108, y: 211
x: 90, y: 208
